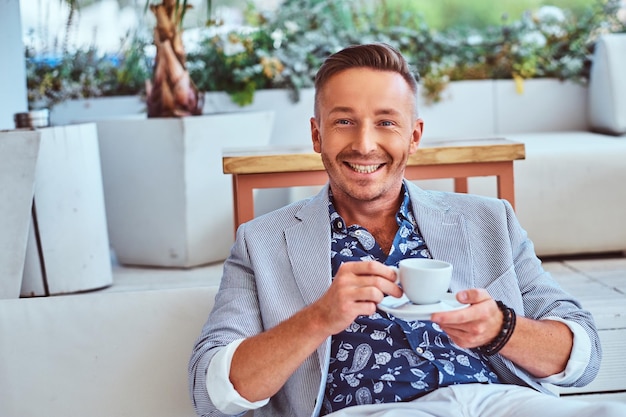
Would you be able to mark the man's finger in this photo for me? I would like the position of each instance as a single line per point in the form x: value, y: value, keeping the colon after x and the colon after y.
x: 472, y: 296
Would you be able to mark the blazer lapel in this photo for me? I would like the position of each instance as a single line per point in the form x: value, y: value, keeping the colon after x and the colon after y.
x: 445, y: 233
x: 308, y: 246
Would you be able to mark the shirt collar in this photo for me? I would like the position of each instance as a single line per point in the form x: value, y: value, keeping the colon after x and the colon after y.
x: 404, y: 213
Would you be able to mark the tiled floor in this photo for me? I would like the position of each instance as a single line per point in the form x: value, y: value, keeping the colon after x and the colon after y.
x: 589, y: 278
x: 599, y: 283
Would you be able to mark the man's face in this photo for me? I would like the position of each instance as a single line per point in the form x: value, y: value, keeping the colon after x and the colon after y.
x: 365, y: 132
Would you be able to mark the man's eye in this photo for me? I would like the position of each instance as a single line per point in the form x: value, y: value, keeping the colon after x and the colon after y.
x: 343, y: 122
x: 386, y: 123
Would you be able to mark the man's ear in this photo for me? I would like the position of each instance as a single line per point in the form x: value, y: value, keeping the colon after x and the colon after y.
x: 315, y: 136
x: 416, y: 135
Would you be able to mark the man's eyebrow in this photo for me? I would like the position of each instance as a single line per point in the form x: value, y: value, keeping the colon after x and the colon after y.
x: 391, y: 112
x: 340, y: 109
x: 346, y: 109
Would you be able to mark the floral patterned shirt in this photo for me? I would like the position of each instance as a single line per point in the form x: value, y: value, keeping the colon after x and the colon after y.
x: 382, y: 358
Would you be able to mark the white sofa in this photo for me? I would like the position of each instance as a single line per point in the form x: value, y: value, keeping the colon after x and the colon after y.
x: 125, y: 354
x: 570, y: 189
x: 102, y: 354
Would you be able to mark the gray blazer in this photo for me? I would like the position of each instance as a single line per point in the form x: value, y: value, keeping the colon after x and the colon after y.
x: 280, y: 263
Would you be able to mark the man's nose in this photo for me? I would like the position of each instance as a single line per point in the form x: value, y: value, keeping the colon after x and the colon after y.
x: 364, y: 140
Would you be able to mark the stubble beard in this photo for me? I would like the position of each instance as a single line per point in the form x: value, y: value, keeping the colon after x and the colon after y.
x: 365, y: 190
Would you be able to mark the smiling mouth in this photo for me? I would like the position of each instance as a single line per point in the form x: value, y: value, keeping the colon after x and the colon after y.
x: 364, y: 169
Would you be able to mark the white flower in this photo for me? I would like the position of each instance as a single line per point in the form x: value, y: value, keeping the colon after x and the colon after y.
x: 550, y: 19
x: 277, y: 36
x: 233, y: 48
x: 474, y: 39
x: 291, y: 27
x: 550, y: 14
x: 534, y: 38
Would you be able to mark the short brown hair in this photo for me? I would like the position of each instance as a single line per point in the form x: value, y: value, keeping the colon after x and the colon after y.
x: 378, y: 56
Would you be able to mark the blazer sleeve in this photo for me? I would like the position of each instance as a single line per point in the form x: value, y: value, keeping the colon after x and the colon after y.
x: 235, y: 315
x: 541, y: 296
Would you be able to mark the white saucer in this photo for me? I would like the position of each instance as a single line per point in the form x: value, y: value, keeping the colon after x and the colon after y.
x: 404, y: 309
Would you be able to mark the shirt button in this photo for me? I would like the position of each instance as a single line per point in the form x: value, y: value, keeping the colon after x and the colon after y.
x: 419, y: 350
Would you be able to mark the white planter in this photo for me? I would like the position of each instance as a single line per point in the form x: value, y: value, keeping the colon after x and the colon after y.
x: 18, y: 159
x: 466, y: 109
x: 487, y: 108
x: 94, y: 109
x: 168, y: 202
x: 68, y: 247
x: 293, y: 128
x: 544, y: 105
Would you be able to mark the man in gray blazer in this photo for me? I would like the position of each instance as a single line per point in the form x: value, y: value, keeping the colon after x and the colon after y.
x: 298, y: 328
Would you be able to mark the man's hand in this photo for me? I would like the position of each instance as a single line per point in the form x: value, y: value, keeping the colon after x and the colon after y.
x: 356, y: 290
x: 475, y: 325
x: 262, y: 364
x: 541, y: 347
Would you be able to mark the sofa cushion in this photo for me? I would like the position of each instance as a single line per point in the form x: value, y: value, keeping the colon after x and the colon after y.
x: 569, y: 192
x: 101, y: 354
x: 607, y: 85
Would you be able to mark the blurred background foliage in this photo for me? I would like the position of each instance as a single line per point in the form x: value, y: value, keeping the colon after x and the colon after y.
x: 446, y: 14
x: 282, y: 47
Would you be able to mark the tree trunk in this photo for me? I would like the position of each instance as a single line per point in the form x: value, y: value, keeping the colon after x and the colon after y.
x: 171, y: 93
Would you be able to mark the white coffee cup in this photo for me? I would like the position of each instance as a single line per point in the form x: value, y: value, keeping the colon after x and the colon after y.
x: 424, y: 281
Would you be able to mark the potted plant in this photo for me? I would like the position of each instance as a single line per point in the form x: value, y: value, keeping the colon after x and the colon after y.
x: 168, y: 202
x: 165, y: 194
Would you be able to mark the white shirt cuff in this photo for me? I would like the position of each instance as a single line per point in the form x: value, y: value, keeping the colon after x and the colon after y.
x: 223, y: 394
x: 578, y: 359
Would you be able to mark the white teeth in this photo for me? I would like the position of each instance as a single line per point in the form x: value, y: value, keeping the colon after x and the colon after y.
x: 364, y: 169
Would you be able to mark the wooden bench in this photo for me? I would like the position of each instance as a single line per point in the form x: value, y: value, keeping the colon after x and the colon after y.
x: 274, y: 167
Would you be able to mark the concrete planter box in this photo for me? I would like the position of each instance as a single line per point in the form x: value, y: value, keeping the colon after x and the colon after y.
x: 94, y: 109
x: 168, y: 202
x: 487, y: 108
x: 466, y: 109
x: 545, y: 105
x: 293, y: 117
x: 293, y: 128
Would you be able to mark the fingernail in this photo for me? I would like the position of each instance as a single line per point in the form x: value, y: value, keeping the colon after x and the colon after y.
x: 462, y: 296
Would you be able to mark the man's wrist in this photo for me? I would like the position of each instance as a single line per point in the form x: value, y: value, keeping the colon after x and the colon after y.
x: 508, y: 326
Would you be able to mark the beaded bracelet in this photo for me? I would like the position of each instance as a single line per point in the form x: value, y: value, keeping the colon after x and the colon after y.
x: 508, y: 325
